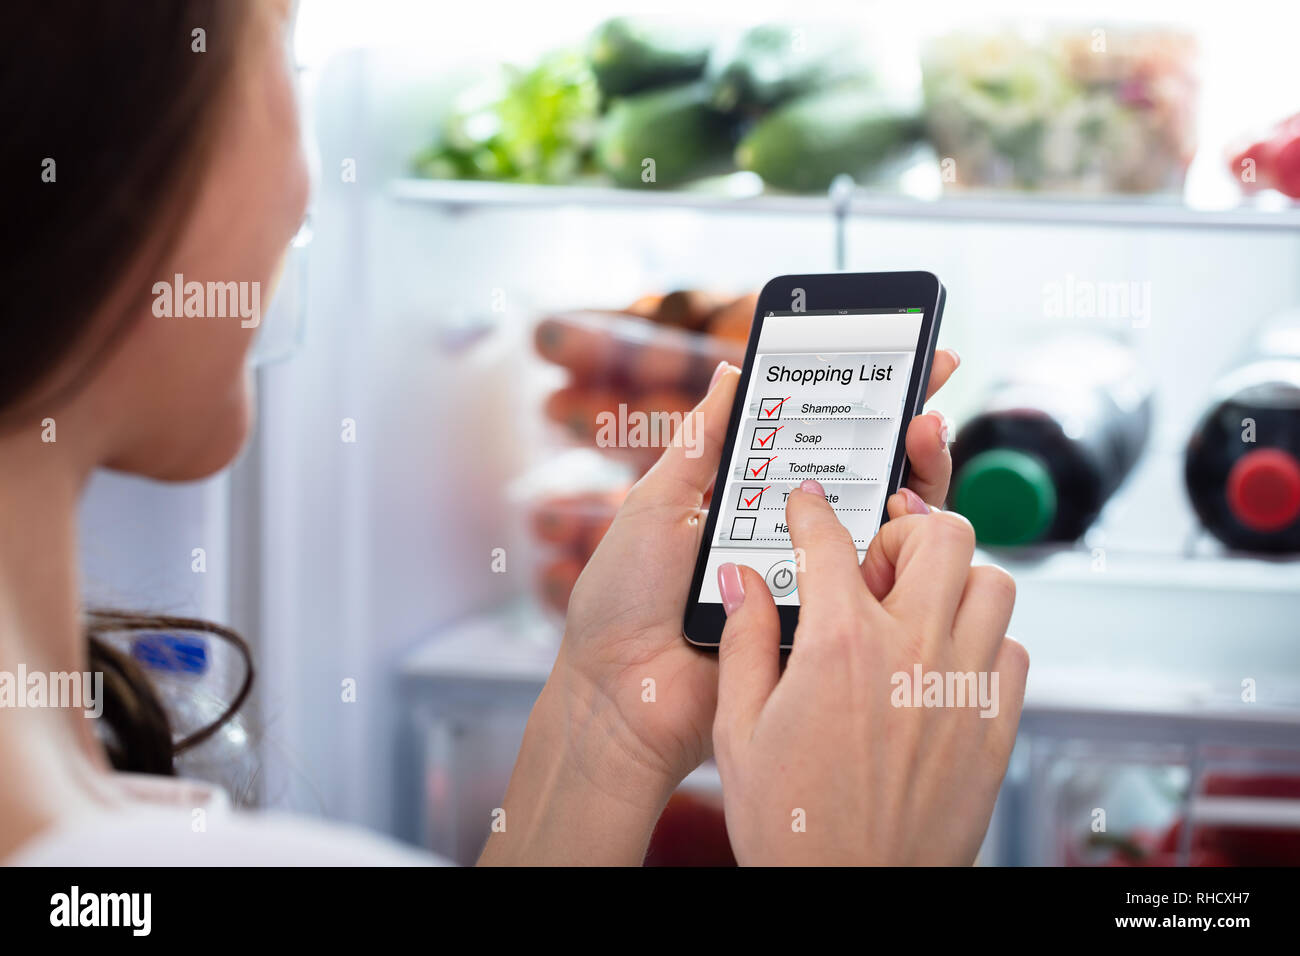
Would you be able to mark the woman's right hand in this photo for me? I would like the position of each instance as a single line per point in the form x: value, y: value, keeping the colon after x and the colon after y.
x: 822, y: 763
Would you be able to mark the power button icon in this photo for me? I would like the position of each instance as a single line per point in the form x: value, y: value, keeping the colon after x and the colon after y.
x: 780, y: 578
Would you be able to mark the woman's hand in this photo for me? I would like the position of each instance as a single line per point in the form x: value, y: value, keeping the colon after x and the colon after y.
x: 842, y: 758
x: 613, y: 360
x: 628, y: 710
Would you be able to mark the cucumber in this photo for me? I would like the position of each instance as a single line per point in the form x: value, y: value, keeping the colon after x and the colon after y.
x: 678, y: 128
x: 773, y: 63
x: 629, y: 56
x: 805, y: 144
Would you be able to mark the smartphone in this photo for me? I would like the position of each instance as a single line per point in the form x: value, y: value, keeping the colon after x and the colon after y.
x: 836, y: 367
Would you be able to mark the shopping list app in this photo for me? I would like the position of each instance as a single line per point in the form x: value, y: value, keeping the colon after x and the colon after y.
x: 825, y: 401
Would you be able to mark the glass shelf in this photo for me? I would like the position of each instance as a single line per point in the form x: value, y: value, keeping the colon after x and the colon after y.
x: 739, y: 196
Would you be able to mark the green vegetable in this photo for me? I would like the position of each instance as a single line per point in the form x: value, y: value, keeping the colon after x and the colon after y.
x: 774, y: 63
x: 538, y: 128
x: 629, y: 56
x: 995, y: 104
x: 802, y: 146
x: 665, y: 137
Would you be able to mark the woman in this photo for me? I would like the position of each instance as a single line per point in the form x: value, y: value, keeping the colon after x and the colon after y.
x: 164, y: 142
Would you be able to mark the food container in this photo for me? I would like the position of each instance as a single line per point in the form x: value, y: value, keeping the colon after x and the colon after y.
x: 1087, y: 109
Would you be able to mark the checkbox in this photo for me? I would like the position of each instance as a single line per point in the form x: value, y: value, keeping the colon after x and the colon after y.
x: 764, y: 439
x: 756, y: 468
x: 769, y: 409
x: 749, y: 498
x: 742, y: 529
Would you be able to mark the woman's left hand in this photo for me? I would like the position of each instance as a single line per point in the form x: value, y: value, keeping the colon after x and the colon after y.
x: 628, y: 710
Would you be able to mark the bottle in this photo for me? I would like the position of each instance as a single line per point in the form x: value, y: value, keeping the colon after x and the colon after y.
x: 1052, y: 442
x: 180, y: 668
x: 1242, y: 467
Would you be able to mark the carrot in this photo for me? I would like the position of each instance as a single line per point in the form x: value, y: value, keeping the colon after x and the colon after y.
x: 576, y: 407
x: 556, y: 579
x: 646, y: 306
x: 688, y: 309
x: 629, y: 352
x: 574, y: 521
x: 664, y: 360
x: 733, y: 320
x: 664, y: 400
x: 580, y: 341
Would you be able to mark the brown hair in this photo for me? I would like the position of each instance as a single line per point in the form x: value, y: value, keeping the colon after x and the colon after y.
x: 110, y: 113
x: 141, y: 733
x: 109, y: 118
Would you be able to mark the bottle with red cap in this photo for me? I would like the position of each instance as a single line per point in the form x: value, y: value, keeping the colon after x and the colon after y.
x: 1273, y: 159
x: 1053, y: 441
x: 1243, y: 460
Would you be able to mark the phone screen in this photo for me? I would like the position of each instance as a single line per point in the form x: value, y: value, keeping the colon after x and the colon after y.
x: 826, y: 397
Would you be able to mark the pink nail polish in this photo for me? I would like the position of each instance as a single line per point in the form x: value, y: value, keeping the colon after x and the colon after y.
x: 717, y: 374
x: 732, y: 590
x: 944, y: 433
x: 812, y: 487
x: 956, y: 359
x: 914, y: 503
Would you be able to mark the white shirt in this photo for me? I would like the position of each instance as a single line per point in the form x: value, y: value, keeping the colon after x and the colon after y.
x: 176, y: 822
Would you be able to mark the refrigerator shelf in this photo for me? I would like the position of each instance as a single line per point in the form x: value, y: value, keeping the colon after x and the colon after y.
x: 514, y: 648
x: 1202, y: 567
x: 1276, y: 812
x: 1160, y: 721
x: 740, y: 194
x: 468, y: 690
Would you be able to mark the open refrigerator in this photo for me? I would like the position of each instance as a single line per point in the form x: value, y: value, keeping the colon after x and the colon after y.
x: 367, y: 562
x: 1141, y: 635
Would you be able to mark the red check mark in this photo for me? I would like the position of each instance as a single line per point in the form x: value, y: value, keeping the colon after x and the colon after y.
x: 749, y: 502
x: 775, y: 408
x: 764, y: 441
x: 755, y: 471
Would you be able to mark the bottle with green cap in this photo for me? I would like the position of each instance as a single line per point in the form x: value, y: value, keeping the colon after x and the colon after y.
x: 1052, y: 442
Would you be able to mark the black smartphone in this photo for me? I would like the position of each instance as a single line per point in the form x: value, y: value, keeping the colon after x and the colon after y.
x: 836, y: 367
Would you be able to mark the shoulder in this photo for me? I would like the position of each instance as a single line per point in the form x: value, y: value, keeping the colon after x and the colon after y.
x: 206, y: 832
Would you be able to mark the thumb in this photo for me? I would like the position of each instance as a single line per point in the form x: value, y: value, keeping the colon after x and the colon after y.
x: 749, y: 657
x: 688, y: 466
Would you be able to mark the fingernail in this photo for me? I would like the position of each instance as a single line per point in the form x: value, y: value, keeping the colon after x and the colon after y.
x: 733, y: 592
x: 944, y: 434
x: 956, y: 359
x: 812, y: 487
x: 914, y: 503
x: 717, y: 374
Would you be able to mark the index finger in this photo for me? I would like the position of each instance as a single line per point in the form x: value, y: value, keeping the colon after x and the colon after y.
x: 829, y: 578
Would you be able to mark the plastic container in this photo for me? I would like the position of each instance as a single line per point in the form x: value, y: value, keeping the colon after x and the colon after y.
x: 182, y: 671
x: 1091, y: 108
